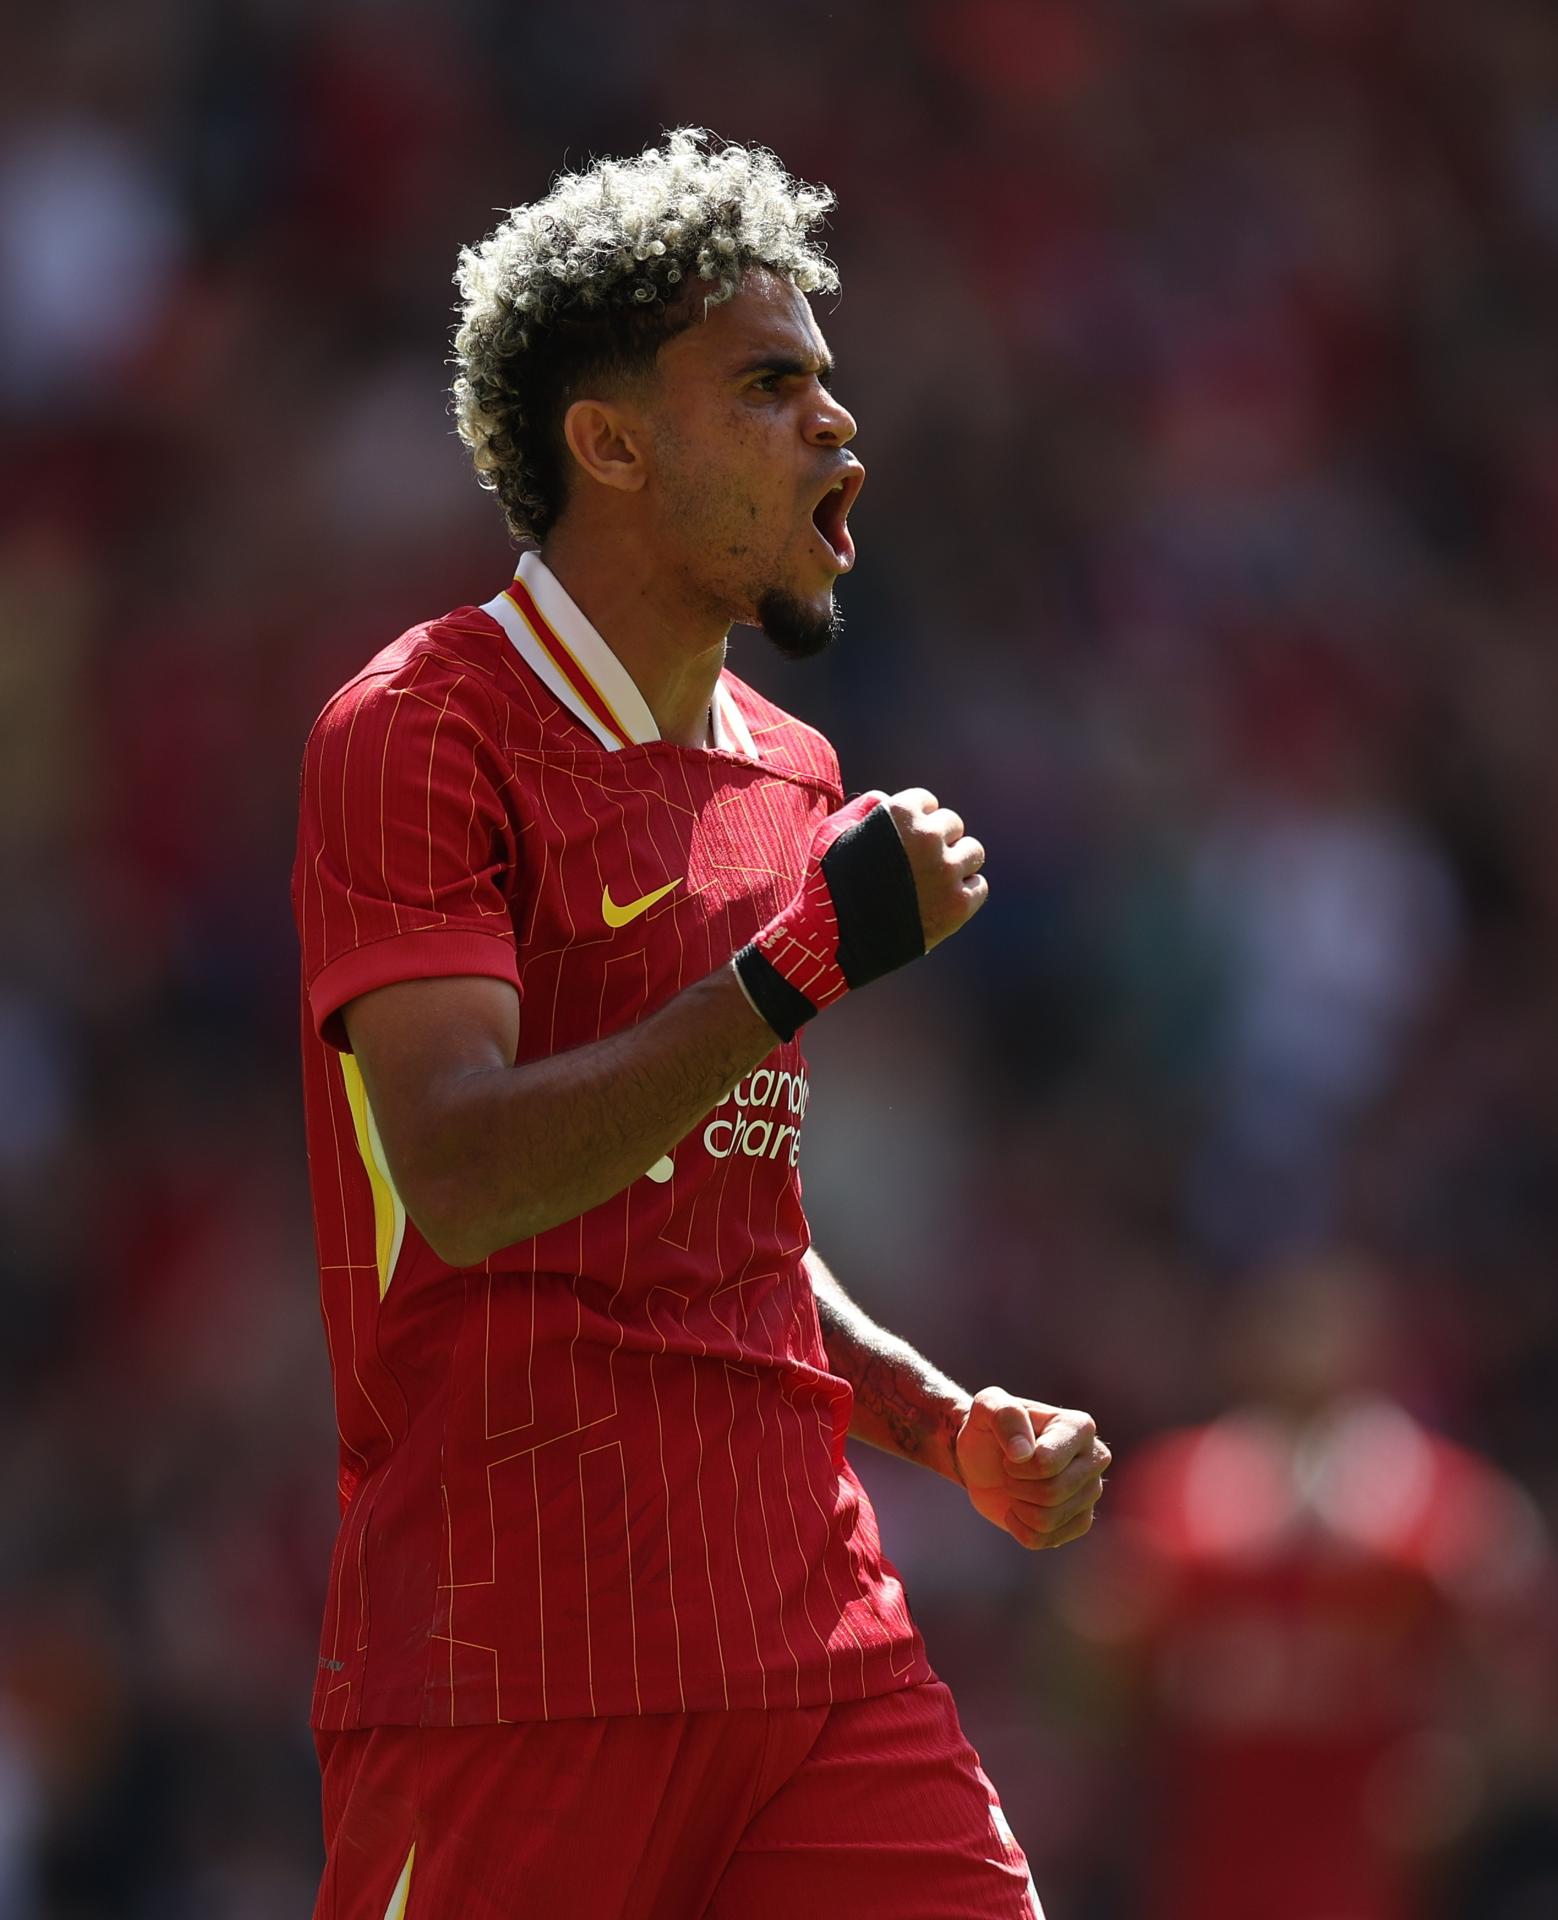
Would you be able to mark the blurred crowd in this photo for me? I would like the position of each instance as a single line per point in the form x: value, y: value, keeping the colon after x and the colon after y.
x: 1204, y: 358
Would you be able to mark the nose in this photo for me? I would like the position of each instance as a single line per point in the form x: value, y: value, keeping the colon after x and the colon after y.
x: 832, y: 425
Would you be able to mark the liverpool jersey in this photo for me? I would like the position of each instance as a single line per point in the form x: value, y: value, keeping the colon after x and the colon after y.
x: 603, y: 1472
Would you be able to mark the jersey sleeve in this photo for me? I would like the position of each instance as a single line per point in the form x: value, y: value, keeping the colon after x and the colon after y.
x: 404, y: 843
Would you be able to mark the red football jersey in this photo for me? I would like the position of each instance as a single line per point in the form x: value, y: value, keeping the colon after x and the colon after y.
x: 603, y: 1472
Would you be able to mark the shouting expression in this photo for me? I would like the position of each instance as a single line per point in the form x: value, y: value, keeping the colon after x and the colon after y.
x: 752, y: 478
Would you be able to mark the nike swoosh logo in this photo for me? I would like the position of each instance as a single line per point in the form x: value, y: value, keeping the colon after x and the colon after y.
x: 616, y: 916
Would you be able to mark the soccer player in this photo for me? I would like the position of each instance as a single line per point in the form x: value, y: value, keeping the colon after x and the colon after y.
x: 1336, y: 1620
x: 609, y: 1629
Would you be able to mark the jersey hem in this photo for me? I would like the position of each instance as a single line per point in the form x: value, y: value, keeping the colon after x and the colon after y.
x: 411, y: 1708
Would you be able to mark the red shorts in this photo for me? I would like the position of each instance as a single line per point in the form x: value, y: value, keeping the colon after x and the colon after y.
x: 871, y: 1808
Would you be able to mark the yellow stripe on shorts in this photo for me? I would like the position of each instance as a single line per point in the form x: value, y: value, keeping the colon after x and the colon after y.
x: 396, y: 1910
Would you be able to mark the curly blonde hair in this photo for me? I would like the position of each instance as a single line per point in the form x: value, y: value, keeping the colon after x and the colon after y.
x: 588, y: 283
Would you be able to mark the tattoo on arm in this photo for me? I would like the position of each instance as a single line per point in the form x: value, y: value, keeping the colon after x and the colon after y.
x: 903, y: 1404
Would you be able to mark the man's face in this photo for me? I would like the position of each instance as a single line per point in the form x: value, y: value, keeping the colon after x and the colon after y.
x: 751, y: 479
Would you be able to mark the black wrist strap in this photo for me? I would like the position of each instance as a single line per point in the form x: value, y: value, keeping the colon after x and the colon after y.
x: 785, y: 1008
x: 875, y: 898
x: 876, y: 904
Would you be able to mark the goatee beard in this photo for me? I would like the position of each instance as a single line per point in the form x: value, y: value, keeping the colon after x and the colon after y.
x: 797, y: 629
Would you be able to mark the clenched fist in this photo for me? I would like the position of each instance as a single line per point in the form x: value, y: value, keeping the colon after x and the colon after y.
x: 945, y: 859
x: 1034, y: 1470
x: 885, y: 880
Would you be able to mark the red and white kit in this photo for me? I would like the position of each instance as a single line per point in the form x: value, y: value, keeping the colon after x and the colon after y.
x: 603, y: 1473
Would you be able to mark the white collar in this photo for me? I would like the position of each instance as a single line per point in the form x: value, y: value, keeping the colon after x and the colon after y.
x: 558, y: 643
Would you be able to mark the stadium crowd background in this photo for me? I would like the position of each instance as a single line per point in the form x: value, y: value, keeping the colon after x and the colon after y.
x: 1205, y: 362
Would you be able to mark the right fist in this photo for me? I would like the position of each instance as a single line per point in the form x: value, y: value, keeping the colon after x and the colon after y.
x: 945, y: 860
x: 873, y: 896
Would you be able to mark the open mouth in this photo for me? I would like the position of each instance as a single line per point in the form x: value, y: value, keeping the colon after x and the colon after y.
x: 830, y: 517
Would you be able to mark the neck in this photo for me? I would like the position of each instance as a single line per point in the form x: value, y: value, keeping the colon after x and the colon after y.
x: 673, y: 650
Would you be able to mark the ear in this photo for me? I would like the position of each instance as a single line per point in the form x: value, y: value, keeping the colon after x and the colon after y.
x: 609, y: 443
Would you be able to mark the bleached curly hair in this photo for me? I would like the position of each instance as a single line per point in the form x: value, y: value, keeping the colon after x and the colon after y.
x: 590, y: 282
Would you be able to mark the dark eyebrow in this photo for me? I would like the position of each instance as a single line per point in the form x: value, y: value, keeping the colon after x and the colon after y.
x: 790, y: 364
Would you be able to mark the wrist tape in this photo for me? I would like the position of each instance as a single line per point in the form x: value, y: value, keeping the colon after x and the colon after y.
x: 856, y: 917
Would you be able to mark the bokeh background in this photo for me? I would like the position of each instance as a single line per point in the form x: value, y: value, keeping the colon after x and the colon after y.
x: 1206, y: 359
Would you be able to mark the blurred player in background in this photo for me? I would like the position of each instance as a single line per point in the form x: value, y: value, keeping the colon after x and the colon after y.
x: 609, y: 1630
x: 1337, y: 1621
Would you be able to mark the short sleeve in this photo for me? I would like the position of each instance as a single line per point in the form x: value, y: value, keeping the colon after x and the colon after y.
x: 404, y: 840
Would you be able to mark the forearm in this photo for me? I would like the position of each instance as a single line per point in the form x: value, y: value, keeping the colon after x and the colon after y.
x: 515, y: 1150
x: 485, y: 1152
x: 903, y: 1404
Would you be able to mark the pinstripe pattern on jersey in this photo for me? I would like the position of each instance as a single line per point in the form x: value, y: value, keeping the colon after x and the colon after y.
x: 603, y: 1473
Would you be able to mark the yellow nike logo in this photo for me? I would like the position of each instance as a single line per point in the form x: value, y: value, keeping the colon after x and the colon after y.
x: 616, y: 916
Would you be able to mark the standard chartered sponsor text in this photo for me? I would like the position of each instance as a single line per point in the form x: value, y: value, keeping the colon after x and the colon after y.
x: 761, y: 1118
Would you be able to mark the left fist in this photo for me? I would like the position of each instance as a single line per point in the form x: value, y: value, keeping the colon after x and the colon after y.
x: 1034, y: 1470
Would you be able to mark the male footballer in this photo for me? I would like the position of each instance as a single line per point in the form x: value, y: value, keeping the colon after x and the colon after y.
x: 609, y: 1629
